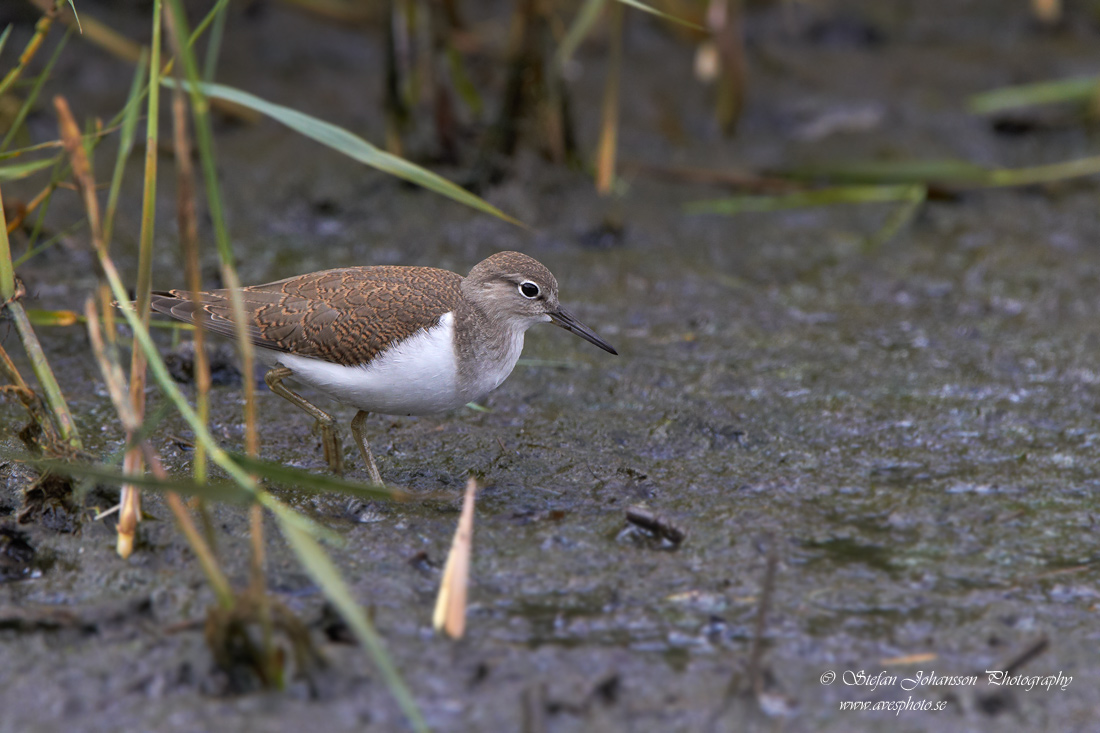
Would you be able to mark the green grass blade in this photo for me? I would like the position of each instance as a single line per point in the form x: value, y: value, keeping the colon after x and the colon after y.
x: 951, y: 174
x: 653, y: 11
x: 209, y: 18
x: 214, y: 43
x: 462, y: 82
x: 16, y: 171
x: 226, y: 491
x: 891, y: 171
x: 90, y: 139
x: 578, y: 31
x: 7, y: 272
x: 312, y: 483
x: 354, y: 147
x: 76, y: 17
x: 803, y: 199
x: 62, y: 318
x: 1029, y: 95
x: 4, y: 37
x: 125, y: 142
x: 9, y: 154
x: 321, y: 569
x: 1064, y: 171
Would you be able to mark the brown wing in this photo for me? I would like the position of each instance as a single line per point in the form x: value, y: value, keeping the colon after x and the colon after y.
x: 345, y: 316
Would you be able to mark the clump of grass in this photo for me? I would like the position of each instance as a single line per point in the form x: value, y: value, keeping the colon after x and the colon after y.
x: 61, y: 422
x: 239, y: 610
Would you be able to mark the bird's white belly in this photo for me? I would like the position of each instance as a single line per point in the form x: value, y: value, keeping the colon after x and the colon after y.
x: 417, y: 376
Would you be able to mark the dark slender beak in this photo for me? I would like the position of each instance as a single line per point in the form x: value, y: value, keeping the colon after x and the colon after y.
x: 566, y: 320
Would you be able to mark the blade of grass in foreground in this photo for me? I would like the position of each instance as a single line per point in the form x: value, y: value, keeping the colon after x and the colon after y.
x: 214, y: 490
x: 314, y: 483
x: 950, y: 175
x: 41, y: 317
x: 226, y: 491
x: 65, y: 318
x: 15, y: 171
x: 1029, y: 95
x: 314, y: 559
x: 890, y: 171
x: 803, y: 199
x: 353, y: 146
x: 7, y: 272
x: 578, y: 29
x: 637, y: 5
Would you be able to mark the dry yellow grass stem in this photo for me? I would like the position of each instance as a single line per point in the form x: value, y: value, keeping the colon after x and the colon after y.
x: 450, y: 605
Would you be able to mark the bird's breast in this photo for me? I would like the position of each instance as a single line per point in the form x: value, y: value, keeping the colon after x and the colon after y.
x: 486, y: 356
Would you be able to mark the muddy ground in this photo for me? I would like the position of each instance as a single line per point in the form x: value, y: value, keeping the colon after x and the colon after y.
x: 906, y: 430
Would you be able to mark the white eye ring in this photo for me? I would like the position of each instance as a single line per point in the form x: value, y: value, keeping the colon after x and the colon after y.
x: 529, y: 289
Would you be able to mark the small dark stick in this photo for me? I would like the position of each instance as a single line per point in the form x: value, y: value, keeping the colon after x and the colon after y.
x: 1031, y: 652
x: 658, y: 524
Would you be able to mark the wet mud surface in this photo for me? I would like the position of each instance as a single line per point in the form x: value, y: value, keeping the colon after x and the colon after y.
x: 906, y: 432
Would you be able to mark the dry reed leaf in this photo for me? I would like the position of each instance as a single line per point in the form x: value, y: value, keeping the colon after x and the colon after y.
x: 450, y: 605
x: 1047, y: 11
x: 910, y: 659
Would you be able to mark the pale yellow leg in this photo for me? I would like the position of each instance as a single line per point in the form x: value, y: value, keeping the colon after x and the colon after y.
x: 330, y: 439
x: 357, y: 431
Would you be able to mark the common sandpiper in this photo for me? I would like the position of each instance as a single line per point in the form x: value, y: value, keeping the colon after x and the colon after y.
x: 388, y: 339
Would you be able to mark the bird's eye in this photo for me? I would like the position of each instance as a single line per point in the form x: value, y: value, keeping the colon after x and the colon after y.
x: 528, y: 289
